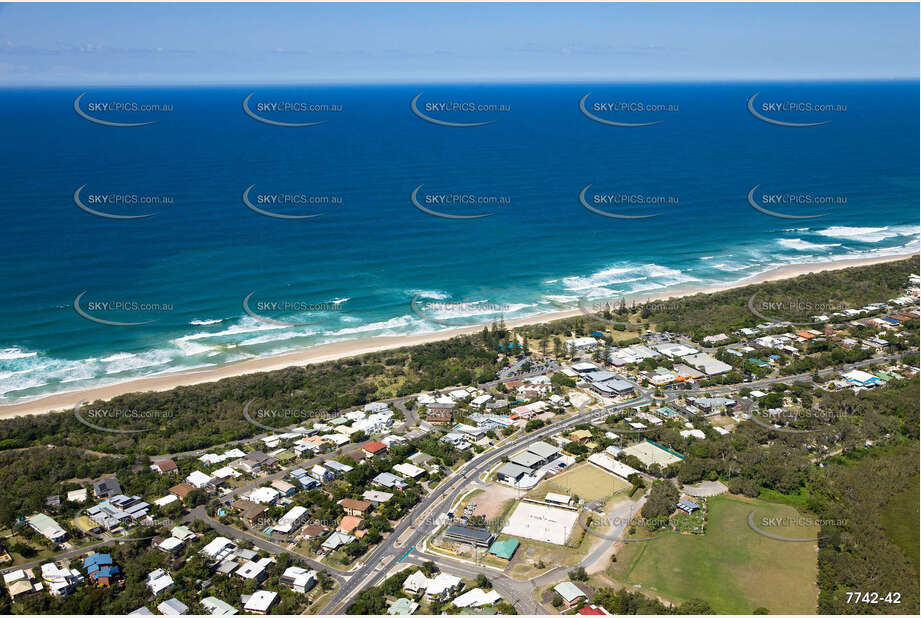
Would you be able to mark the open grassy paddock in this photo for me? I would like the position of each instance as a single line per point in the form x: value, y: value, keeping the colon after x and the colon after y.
x: 900, y: 520
x: 584, y: 480
x: 731, y: 567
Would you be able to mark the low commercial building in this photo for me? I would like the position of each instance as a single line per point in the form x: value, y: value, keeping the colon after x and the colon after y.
x: 708, y: 364
x: 511, y: 473
x: 480, y: 537
x: 504, y: 550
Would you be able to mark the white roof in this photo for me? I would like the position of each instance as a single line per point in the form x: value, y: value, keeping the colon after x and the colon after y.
x: 52, y: 573
x: 416, y: 581
x: 173, y: 607
x: 694, y: 433
x: 225, y: 472
x: 558, y: 498
x: 160, y: 584
x: 442, y: 583
x: 167, y: 499
x: 170, y: 543
x: 199, y: 479
x: 858, y: 376
x: 264, y: 495
x: 260, y: 601
x: 216, y: 546
x: 476, y: 598
x: 77, y: 495
x: 611, y: 465
x: 408, y: 470
x: 290, y: 519
x: 569, y: 591
x: 250, y: 569
x: 674, y: 349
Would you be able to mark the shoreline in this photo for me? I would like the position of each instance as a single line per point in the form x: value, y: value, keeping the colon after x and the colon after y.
x: 356, y: 347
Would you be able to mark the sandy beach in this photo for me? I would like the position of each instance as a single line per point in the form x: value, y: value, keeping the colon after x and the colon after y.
x: 355, y: 347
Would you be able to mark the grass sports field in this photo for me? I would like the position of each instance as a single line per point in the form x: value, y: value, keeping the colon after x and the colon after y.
x: 731, y: 567
x: 584, y: 480
x: 900, y: 520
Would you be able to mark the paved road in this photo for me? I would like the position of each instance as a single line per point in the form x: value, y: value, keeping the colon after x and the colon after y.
x: 71, y: 553
x: 423, y: 517
x: 515, y: 592
x: 200, y: 514
x: 777, y: 379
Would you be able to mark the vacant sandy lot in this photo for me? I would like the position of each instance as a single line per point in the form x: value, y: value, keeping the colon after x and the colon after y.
x: 489, y: 501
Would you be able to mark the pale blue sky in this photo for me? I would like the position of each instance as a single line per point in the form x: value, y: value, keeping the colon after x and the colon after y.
x: 46, y: 44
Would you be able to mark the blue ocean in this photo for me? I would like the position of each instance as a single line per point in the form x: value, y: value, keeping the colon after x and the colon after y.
x: 211, y: 232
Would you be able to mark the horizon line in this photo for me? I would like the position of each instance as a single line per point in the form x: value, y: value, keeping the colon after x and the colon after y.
x: 462, y: 81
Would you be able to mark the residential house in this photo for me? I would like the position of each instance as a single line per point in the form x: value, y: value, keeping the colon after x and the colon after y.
x: 164, y: 466
x: 260, y: 602
x: 298, y: 579
x: 283, y: 487
x: 389, y: 481
x: 159, y: 581
x: 47, y: 527
x: 181, y: 490
x: 416, y: 583
x: 218, y: 549
x: 354, y: 507
x: 291, y: 521
x: 217, y: 607
x: 256, y: 462
x: 376, y: 497
x: 100, y: 569
x: 249, y: 510
x: 173, y: 607
x: 442, y: 586
x: 374, y: 448
x: 335, y: 541
x: 106, y: 487
x: 200, y: 480
x: 255, y: 570
x: 60, y: 581
x: 570, y: 593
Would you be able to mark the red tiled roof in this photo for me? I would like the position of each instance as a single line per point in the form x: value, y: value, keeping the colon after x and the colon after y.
x: 166, y: 465
x: 354, y: 505
x: 374, y: 447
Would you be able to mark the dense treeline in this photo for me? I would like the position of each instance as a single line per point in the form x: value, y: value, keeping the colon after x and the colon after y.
x: 28, y: 476
x: 754, y: 457
x: 858, y: 556
x: 624, y: 602
x: 796, y: 299
x: 195, y: 417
